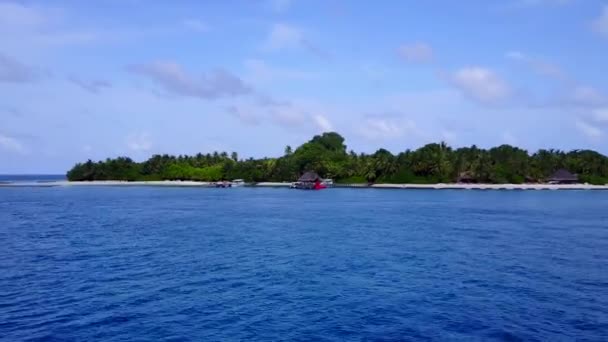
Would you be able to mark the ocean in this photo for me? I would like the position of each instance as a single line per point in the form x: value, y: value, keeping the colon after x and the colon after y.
x: 254, y: 264
x: 31, y: 178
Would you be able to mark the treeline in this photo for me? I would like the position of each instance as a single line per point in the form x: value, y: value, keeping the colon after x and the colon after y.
x: 327, y: 155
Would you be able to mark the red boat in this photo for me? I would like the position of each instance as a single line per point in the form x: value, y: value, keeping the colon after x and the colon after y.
x: 319, y: 185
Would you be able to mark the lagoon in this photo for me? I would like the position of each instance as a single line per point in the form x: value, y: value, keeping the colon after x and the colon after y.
x: 163, y: 263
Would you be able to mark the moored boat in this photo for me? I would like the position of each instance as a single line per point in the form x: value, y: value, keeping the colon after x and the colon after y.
x: 328, y: 182
x: 238, y: 183
x: 223, y: 184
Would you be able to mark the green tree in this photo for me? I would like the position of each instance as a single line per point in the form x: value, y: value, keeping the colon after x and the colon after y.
x: 326, y: 154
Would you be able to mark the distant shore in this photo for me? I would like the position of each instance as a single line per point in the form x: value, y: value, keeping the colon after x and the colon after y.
x: 447, y: 186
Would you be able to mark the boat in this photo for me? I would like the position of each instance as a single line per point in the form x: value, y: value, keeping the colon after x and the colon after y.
x: 223, y: 184
x: 328, y: 182
x: 238, y: 183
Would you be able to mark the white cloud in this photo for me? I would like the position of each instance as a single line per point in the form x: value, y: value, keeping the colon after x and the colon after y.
x: 480, y: 84
x: 523, y: 4
x: 378, y: 128
x: 547, y: 69
x: 284, y: 36
x: 322, y: 123
x: 375, y: 72
x: 280, y: 6
x: 289, y: 117
x: 601, y: 115
x: 588, y: 130
x: 11, y: 145
x: 18, y: 17
x: 588, y: 96
x: 259, y: 71
x: 139, y: 142
x: 516, y: 55
x: 174, y: 79
x: 573, y: 94
x: 416, y: 52
x: 24, y: 26
x: 195, y: 25
x: 300, y: 116
x: 541, y: 67
x: 29, y: 24
x: 545, y: 2
x: 600, y: 25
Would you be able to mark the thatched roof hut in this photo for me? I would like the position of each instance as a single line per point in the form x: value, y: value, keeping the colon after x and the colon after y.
x: 466, y: 177
x: 309, y: 177
x: 563, y: 176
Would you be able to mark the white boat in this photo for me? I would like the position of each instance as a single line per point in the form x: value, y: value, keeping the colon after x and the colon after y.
x: 328, y: 182
x: 238, y: 183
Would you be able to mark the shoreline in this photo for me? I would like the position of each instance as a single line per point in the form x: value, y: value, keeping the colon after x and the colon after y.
x: 446, y: 186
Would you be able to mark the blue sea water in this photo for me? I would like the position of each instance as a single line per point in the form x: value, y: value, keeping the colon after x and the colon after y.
x: 190, y: 264
x: 30, y: 178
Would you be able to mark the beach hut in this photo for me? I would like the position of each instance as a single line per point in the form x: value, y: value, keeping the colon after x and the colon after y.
x: 309, y: 177
x: 563, y: 176
x: 466, y: 178
x: 310, y: 180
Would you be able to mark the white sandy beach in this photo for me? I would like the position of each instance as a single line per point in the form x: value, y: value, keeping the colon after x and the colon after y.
x: 140, y: 183
x: 446, y: 186
x: 493, y: 186
x: 108, y: 183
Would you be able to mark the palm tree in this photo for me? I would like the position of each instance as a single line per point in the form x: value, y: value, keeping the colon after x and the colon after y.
x: 370, y: 171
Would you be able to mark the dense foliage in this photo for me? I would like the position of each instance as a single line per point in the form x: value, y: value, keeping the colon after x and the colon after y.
x: 327, y: 155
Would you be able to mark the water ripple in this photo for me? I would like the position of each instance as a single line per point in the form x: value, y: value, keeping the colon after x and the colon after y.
x: 144, y: 264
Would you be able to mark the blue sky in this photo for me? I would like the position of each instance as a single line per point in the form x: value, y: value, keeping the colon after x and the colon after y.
x: 83, y: 79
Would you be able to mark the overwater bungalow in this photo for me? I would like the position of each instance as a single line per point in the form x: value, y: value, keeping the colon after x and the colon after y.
x: 310, y: 181
x: 563, y: 176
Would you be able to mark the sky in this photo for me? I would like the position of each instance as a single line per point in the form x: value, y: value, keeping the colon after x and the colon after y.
x: 95, y: 79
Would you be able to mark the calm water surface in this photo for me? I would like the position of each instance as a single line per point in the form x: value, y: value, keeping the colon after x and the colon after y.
x: 183, y: 264
x: 30, y: 178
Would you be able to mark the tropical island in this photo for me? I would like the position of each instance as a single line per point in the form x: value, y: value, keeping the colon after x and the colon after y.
x: 327, y: 155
